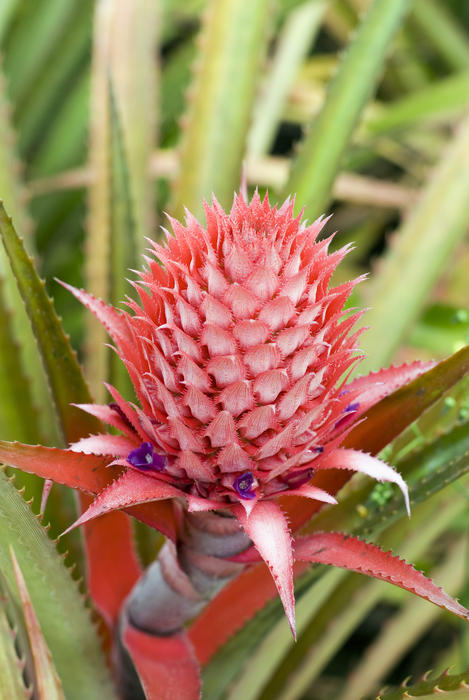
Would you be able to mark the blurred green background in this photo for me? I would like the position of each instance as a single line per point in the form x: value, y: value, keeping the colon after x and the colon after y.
x: 115, y: 112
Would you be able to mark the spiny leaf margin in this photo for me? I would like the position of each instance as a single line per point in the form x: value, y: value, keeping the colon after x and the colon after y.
x: 65, y: 622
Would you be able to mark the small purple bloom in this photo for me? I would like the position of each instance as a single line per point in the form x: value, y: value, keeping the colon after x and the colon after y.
x: 144, y: 458
x: 243, y: 485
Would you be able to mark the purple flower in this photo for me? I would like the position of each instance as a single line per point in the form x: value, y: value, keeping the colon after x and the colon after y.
x: 144, y: 458
x: 243, y: 485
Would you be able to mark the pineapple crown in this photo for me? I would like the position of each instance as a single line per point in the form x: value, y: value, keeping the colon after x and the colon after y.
x: 238, y: 353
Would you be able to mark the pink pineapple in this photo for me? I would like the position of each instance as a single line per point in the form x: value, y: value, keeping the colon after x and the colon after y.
x: 240, y: 354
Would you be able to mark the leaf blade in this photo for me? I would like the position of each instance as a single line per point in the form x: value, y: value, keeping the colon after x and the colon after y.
x: 166, y: 665
x: 421, y: 247
x: 389, y: 417
x: 233, y: 42
x: 66, y: 624
x: 47, y: 682
x: 354, y: 554
x: 60, y: 361
x: 315, y: 168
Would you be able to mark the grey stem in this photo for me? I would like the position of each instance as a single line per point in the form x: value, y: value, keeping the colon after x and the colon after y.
x: 186, y: 576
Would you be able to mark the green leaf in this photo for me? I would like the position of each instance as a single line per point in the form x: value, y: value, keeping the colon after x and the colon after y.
x: 47, y: 684
x: 13, y: 194
x: 65, y: 622
x: 420, y: 249
x: 318, y: 162
x: 18, y: 416
x: 437, y: 453
x: 66, y: 62
x: 233, y: 43
x: 123, y: 234
x: 294, y: 43
x: 116, y: 150
x: 60, y: 361
x: 444, y: 30
x: 61, y: 145
x: 175, y: 79
x: 437, y: 101
x: 433, y: 482
x: 7, y: 10
x: 445, y: 686
x: 442, y: 329
x: 134, y: 52
x: 14, y: 616
x: 12, y: 685
x: 31, y: 44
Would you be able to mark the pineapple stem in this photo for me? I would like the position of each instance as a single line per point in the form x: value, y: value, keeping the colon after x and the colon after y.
x: 186, y: 576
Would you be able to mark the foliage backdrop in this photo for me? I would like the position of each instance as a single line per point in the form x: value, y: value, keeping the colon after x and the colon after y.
x: 114, y: 112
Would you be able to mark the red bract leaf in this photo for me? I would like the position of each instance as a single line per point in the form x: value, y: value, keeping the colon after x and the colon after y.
x: 374, y: 387
x: 112, y: 564
x: 104, y: 413
x: 267, y: 527
x: 353, y: 554
x: 159, y: 515
x: 251, y: 555
x: 130, y: 489
x: 167, y: 666
x: 299, y: 510
x: 386, y: 419
x: 80, y: 471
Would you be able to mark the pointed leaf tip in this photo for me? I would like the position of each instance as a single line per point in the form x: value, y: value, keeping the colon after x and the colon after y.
x: 366, y: 464
x: 130, y: 489
x: 112, y: 320
x: 267, y: 527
